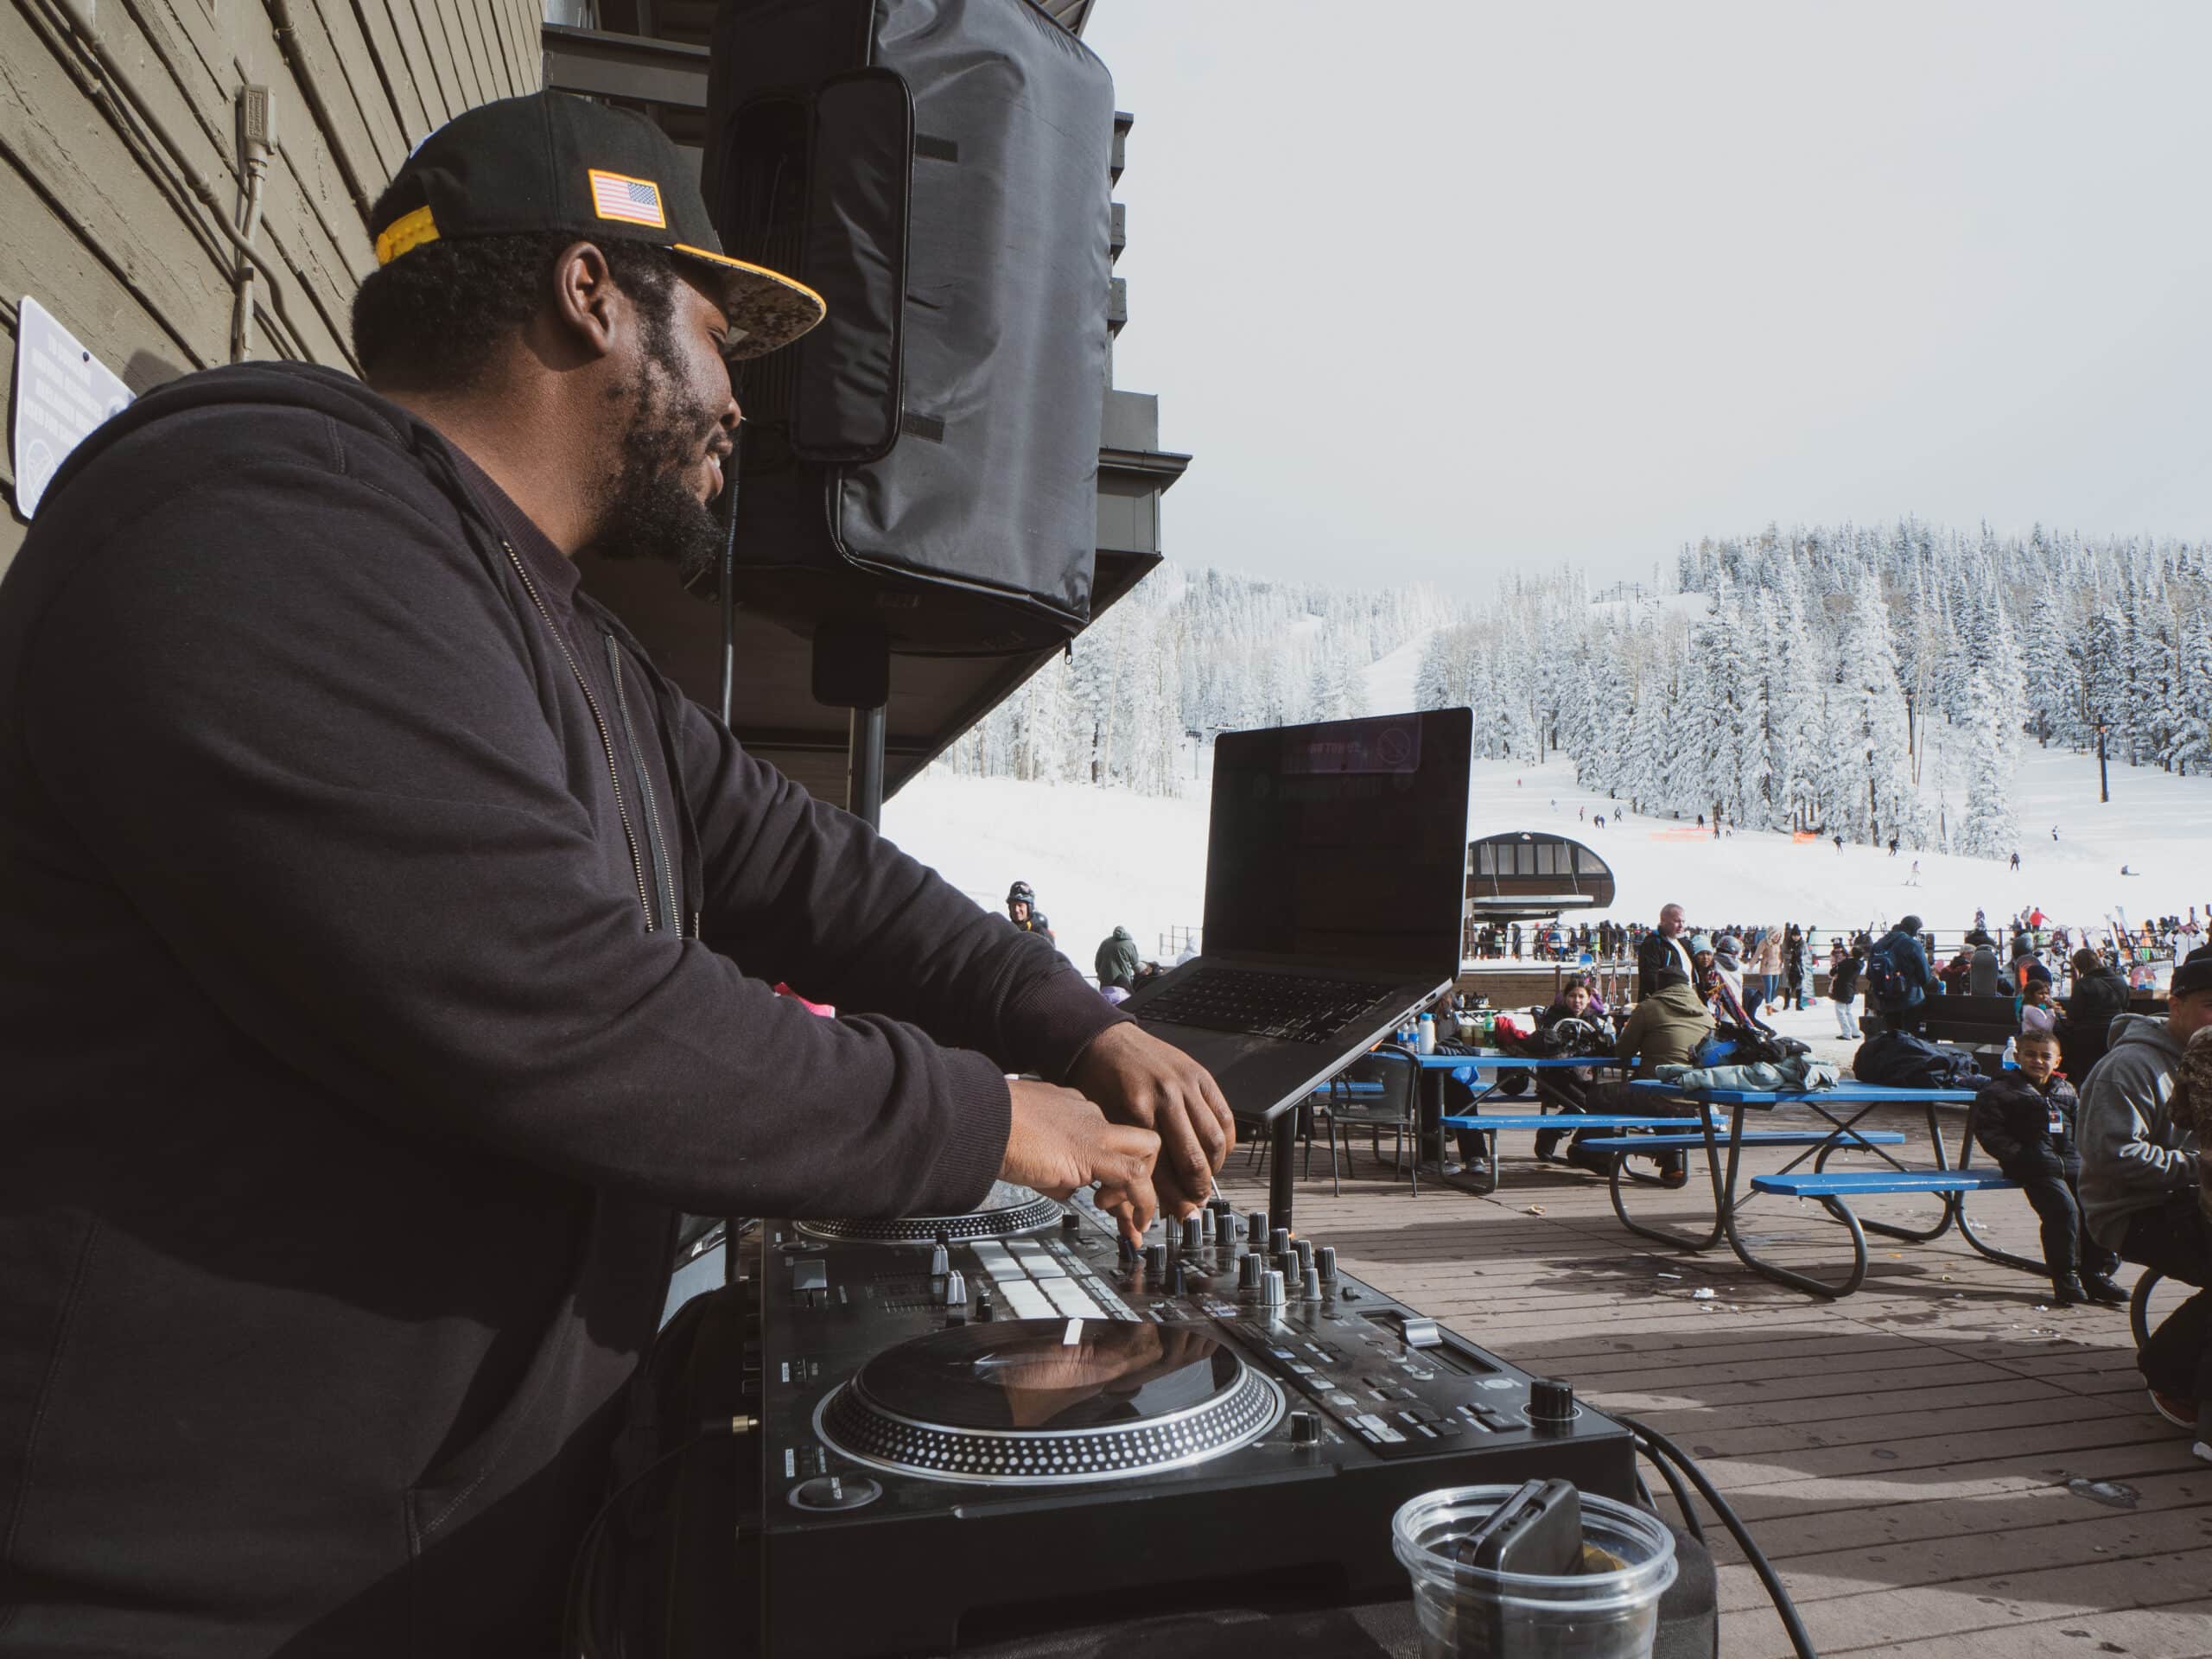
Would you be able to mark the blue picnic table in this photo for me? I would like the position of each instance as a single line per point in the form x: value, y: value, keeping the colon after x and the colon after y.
x: 1841, y: 1107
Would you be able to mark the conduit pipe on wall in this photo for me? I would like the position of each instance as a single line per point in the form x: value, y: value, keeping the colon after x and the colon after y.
x: 79, y: 14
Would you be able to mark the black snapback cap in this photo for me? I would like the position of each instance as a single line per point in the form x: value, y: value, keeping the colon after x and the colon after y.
x: 554, y: 161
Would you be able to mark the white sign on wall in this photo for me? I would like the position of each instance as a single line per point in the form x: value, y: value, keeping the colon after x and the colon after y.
x: 63, y: 391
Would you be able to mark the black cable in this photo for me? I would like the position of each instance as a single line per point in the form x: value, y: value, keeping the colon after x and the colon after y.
x: 1643, y: 1493
x: 578, y: 1634
x: 1662, y: 1451
x: 729, y: 573
x: 1682, y: 1497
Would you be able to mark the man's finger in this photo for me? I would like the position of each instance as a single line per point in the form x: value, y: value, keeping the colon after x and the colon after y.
x: 1212, y: 1134
x: 1111, y: 1202
x: 1126, y: 1161
x: 1179, y: 1137
x: 1217, y: 1104
x: 1135, y: 1205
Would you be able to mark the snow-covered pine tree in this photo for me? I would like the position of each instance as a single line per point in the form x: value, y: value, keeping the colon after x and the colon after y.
x: 1875, y: 717
x: 1794, y: 714
x: 2051, y: 681
x: 1987, y: 827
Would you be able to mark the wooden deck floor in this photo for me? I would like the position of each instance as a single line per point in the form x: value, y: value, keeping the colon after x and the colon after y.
x: 1903, y: 1456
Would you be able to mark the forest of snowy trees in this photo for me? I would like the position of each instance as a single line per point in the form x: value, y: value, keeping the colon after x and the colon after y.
x: 1803, y: 679
x: 1188, y: 654
x: 1862, y: 682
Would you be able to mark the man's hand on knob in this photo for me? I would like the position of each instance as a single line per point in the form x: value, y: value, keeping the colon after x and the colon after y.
x: 1139, y: 1079
x: 1059, y: 1140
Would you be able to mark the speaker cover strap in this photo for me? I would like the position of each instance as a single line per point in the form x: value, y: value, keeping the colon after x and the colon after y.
x: 860, y: 174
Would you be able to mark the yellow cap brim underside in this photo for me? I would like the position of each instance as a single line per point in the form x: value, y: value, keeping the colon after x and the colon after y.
x: 766, y: 309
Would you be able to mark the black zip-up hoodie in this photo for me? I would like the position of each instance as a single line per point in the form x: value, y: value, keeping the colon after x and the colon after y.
x: 348, y: 1094
x: 2012, y: 1119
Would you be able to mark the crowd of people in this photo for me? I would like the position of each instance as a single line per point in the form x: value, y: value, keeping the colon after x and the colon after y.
x: 2098, y: 1108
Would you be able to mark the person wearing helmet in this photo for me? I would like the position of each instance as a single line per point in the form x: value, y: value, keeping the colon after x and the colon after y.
x: 1021, y: 910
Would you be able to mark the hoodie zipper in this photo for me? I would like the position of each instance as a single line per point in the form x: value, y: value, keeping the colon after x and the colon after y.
x: 656, y: 837
x: 605, y: 737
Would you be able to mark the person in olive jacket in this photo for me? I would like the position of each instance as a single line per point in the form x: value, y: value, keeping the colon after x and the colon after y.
x: 1119, y: 959
x: 1663, y: 1029
x: 2028, y: 1121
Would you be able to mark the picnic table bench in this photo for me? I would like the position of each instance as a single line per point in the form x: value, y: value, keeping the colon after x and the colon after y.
x: 1832, y: 1191
x: 1484, y: 1179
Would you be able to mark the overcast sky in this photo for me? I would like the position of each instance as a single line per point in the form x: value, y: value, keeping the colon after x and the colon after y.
x: 1437, y: 288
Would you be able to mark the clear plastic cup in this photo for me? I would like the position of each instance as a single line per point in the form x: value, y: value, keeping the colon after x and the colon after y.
x: 1467, y: 1612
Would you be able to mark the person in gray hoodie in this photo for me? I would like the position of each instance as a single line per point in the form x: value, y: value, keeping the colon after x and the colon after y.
x: 2139, y: 1186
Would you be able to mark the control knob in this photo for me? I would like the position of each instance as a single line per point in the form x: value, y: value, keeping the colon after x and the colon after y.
x: 1191, y: 1240
x: 1551, y: 1402
x: 1271, y: 1288
x: 1156, y: 1260
x: 1279, y: 1241
x: 1071, y: 1222
x: 1305, y: 1428
x: 1309, y: 1285
x: 1255, y: 1228
x: 1326, y: 1259
x: 1248, y: 1273
x: 1305, y: 1253
x: 1209, y: 1225
x: 955, y: 1295
x: 940, y: 1261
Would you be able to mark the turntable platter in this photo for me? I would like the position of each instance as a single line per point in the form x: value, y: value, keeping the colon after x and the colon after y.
x: 1008, y: 1211
x: 1050, y: 1401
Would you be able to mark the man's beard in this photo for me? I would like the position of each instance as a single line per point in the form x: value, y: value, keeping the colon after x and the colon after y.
x: 648, y: 509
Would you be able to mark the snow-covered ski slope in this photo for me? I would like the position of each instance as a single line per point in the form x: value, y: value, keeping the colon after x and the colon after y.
x: 1100, y: 857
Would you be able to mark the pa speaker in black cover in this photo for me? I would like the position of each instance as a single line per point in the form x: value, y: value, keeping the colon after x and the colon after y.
x: 938, y: 171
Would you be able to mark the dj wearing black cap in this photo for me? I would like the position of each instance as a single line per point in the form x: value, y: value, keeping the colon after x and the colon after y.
x: 388, y: 944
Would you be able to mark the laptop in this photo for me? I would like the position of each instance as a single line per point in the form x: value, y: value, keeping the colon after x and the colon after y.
x: 1336, y: 881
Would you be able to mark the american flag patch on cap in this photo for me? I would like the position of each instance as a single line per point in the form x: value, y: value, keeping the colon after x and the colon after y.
x: 634, y: 201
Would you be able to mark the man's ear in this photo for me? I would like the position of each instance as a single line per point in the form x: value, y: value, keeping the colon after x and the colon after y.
x: 586, y: 301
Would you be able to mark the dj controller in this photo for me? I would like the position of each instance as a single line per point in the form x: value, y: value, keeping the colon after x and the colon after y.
x: 1014, y: 1420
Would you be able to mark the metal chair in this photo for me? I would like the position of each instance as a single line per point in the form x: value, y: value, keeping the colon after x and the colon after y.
x: 2138, y: 1305
x: 1397, y: 1109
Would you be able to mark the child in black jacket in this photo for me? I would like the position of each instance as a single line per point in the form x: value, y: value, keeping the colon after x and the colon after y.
x: 2025, y: 1120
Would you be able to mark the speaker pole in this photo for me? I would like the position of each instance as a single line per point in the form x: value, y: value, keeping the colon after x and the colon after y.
x: 852, y: 670
x: 864, y: 766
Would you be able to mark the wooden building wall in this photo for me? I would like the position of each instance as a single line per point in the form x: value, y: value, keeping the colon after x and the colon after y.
x: 99, y: 222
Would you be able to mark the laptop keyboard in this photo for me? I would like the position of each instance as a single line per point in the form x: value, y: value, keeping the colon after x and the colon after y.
x: 1285, y: 1005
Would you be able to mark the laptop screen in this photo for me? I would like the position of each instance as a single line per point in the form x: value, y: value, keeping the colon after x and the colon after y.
x: 1343, y: 843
